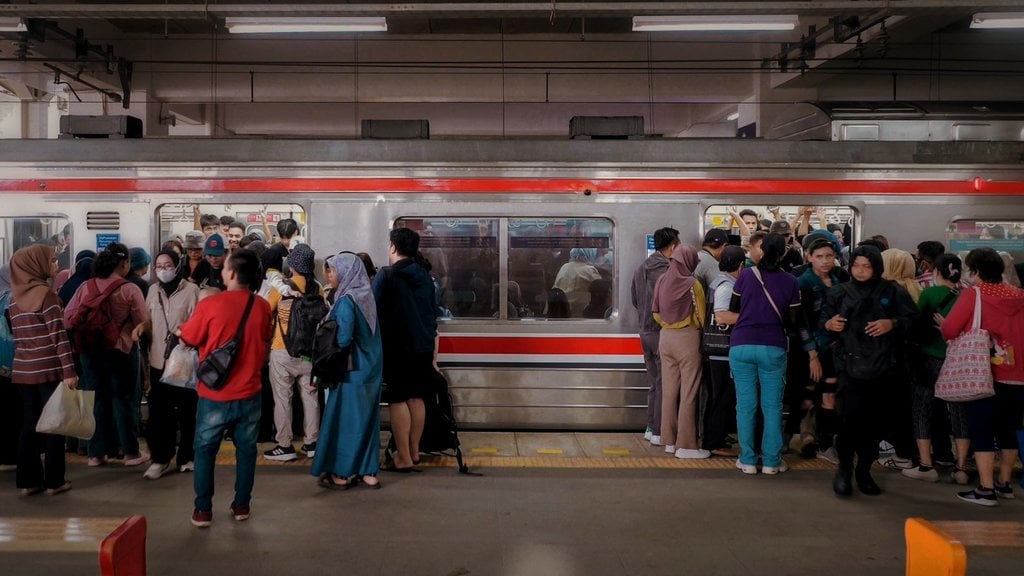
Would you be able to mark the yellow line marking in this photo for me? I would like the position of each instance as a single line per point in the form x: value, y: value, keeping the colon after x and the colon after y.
x: 616, y: 452
x: 550, y: 451
x: 484, y: 450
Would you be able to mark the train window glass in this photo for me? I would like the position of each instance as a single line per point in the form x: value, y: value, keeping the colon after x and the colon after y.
x: 560, y: 268
x: 18, y: 232
x: 259, y: 220
x: 839, y: 220
x: 464, y: 259
x: 1003, y: 236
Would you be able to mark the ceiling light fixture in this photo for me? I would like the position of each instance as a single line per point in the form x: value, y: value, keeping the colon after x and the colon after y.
x: 305, y: 25
x: 721, y: 23
x: 12, y: 25
x: 733, y: 116
x: 998, y: 20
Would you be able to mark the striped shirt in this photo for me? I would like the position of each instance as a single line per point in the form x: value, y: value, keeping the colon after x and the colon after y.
x: 42, y: 352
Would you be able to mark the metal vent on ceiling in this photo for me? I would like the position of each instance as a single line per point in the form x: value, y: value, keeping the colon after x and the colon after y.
x: 102, y: 220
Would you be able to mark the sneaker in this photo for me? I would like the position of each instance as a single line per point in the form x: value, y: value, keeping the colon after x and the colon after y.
x: 979, y: 496
x: 919, y: 473
x: 156, y: 470
x: 140, y: 458
x: 240, y: 513
x: 281, y: 454
x: 309, y: 450
x: 1004, y: 491
x: 670, y: 448
x: 829, y: 455
x: 772, y: 470
x: 655, y: 440
x: 959, y: 476
x: 688, y: 453
x: 894, y: 462
x: 189, y: 466
x: 202, y: 519
x: 746, y: 468
x: 648, y: 434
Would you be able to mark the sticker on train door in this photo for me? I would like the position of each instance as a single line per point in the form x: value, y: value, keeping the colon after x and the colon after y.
x: 650, y: 245
x: 103, y: 240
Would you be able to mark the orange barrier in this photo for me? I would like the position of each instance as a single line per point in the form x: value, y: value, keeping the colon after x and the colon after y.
x: 933, y: 552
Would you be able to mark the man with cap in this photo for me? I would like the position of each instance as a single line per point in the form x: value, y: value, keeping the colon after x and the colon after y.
x: 793, y: 258
x: 209, y: 277
x: 193, y: 244
x: 720, y: 409
x: 285, y: 369
x: 715, y: 240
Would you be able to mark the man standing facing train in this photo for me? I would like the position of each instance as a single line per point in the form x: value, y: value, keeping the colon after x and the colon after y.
x: 642, y: 294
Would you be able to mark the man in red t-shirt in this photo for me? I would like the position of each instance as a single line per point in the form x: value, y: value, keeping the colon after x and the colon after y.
x: 237, y: 404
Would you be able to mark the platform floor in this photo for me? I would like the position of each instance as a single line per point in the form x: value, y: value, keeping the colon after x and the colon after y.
x: 584, y: 517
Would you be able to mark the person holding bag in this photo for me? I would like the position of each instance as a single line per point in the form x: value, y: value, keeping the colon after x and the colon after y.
x: 994, y: 420
x: 229, y: 392
x: 42, y: 362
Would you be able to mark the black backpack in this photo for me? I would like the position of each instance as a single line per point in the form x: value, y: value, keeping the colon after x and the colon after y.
x: 865, y: 357
x: 307, y: 312
x: 330, y: 361
x: 440, y: 430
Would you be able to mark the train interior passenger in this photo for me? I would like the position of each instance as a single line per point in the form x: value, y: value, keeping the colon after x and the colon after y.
x: 257, y: 221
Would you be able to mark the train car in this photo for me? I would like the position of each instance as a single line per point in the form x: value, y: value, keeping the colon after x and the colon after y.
x: 505, y: 223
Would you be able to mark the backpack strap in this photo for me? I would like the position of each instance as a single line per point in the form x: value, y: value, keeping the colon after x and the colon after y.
x: 771, y: 300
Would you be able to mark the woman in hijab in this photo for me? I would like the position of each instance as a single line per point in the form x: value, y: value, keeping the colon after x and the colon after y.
x: 63, y: 275
x: 40, y: 368
x: 347, y: 454
x: 767, y: 300
x: 679, y: 306
x: 868, y: 319
x: 574, y: 278
x: 901, y: 269
x: 83, y: 272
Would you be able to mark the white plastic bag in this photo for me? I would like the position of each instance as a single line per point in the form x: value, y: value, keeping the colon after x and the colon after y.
x: 68, y: 413
x: 180, y: 367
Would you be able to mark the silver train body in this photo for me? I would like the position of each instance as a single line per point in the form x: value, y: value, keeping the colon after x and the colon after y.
x: 510, y: 370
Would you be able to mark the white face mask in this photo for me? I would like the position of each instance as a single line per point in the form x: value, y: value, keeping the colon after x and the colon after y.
x: 165, y: 276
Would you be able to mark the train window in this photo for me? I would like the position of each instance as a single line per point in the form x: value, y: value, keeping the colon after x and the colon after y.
x: 560, y: 268
x: 16, y: 233
x: 1004, y: 236
x: 464, y: 259
x: 259, y: 221
x: 801, y: 219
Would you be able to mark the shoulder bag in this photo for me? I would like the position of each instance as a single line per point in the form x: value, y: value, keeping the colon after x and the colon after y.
x: 213, y: 371
x: 966, y: 374
x: 714, y: 336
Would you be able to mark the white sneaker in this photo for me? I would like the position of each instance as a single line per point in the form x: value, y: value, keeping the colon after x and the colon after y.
x: 894, y: 462
x: 156, y: 470
x: 772, y: 470
x: 917, y: 474
x: 689, y: 453
x: 189, y: 466
x: 746, y: 468
x: 830, y: 455
x: 648, y: 434
x: 670, y: 448
x: 655, y: 440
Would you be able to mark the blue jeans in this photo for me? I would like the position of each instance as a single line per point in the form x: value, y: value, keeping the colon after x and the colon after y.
x: 212, y: 420
x: 759, y: 371
x: 114, y: 376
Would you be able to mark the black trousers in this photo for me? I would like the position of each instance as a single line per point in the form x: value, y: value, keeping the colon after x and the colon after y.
x: 10, y: 421
x: 720, y: 410
x: 171, y: 410
x: 31, y: 471
x: 859, y: 404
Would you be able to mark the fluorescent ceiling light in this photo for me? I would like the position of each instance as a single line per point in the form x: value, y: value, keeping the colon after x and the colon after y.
x: 288, y: 25
x: 733, y: 116
x: 12, y: 25
x: 998, y: 20
x: 726, y: 23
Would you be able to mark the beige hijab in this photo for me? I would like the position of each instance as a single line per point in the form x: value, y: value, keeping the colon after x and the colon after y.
x: 30, y: 269
x: 900, y: 268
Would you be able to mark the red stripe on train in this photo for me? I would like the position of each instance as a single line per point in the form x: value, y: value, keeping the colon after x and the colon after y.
x: 512, y: 186
x: 539, y: 346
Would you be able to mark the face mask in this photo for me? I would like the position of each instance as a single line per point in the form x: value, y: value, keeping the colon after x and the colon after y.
x: 165, y: 276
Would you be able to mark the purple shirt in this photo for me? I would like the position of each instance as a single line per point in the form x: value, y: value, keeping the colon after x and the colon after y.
x: 758, y: 323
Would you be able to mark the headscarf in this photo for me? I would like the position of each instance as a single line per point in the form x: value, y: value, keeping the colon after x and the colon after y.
x: 899, y: 267
x: 586, y: 255
x: 170, y: 287
x: 5, y: 278
x: 1009, y: 270
x: 353, y: 281
x: 83, y: 272
x: 877, y: 266
x: 673, y: 300
x: 30, y: 269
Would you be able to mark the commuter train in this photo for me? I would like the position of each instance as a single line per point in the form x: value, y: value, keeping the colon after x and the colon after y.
x: 501, y: 220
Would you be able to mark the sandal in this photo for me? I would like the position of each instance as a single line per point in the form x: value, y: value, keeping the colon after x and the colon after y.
x: 375, y: 486
x: 328, y: 481
x: 25, y: 492
x: 62, y: 488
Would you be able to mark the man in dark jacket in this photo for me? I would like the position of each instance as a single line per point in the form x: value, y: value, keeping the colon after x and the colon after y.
x: 405, y: 306
x: 868, y: 318
x: 642, y: 293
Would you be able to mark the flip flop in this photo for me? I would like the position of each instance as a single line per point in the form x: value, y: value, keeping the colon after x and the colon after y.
x: 25, y: 492
x: 363, y: 483
x: 328, y: 483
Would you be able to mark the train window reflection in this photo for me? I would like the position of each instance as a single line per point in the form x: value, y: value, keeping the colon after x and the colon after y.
x: 464, y: 259
x: 560, y: 268
x: 1003, y: 236
x: 16, y: 233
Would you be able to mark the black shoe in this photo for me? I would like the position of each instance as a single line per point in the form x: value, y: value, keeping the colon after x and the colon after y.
x: 866, y: 484
x: 842, y: 483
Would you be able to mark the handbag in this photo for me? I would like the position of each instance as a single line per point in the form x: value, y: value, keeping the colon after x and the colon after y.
x: 966, y: 374
x: 213, y: 371
x: 714, y: 339
x: 330, y: 362
x: 180, y: 367
x: 68, y: 413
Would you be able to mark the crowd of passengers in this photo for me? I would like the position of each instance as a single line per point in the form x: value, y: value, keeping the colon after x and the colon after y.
x: 830, y: 350
x: 102, y: 326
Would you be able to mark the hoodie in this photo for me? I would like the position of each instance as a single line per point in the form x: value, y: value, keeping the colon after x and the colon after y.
x: 405, y: 307
x: 642, y: 290
x: 1002, y: 314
